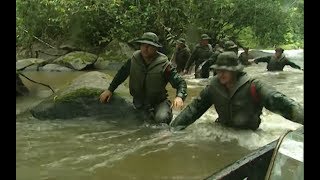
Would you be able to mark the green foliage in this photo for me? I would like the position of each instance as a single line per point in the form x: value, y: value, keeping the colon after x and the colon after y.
x: 246, y: 38
x: 97, y: 22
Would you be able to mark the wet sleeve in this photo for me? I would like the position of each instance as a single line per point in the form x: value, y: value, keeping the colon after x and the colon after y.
x: 121, y: 76
x: 279, y: 103
x: 177, y: 82
x: 262, y: 59
x: 292, y: 64
x: 194, y: 110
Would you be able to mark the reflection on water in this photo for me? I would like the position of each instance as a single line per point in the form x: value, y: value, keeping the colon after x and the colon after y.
x: 92, y: 148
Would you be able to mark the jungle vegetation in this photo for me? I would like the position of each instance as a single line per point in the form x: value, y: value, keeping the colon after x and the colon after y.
x: 95, y: 23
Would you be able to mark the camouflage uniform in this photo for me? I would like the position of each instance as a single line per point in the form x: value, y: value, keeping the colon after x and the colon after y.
x: 181, y: 56
x: 147, y: 83
x: 244, y: 57
x: 238, y: 108
x: 212, y: 59
x: 199, y: 55
x: 276, y: 64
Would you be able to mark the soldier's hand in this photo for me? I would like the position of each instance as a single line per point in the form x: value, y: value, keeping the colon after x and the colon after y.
x: 251, y: 60
x: 177, y: 103
x: 105, y: 96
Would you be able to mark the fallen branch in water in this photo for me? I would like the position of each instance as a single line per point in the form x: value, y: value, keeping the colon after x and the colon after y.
x: 35, y: 81
x: 21, y: 69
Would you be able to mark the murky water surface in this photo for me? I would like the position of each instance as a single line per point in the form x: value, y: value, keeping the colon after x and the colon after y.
x: 91, y: 148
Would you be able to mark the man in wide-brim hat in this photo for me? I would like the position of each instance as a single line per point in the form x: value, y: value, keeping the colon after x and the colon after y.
x: 228, y: 62
x: 150, y: 71
x: 202, y: 52
x: 238, y: 98
x: 149, y: 38
x: 180, y: 55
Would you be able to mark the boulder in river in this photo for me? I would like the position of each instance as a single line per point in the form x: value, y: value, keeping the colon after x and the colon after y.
x: 81, y: 99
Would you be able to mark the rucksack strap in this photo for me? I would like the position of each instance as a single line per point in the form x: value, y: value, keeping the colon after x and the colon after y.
x: 254, y: 94
x: 167, y: 72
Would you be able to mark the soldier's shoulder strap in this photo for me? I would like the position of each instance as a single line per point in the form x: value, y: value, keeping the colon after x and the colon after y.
x: 253, y: 92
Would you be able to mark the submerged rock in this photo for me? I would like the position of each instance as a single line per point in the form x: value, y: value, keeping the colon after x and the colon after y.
x: 29, y: 64
x: 54, y: 67
x: 81, y: 99
x: 21, y: 89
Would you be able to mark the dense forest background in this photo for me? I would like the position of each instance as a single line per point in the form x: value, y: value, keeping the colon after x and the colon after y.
x: 95, y: 23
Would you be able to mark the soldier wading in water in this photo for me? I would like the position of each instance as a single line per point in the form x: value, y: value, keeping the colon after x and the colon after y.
x: 237, y: 98
x: 150, y: 71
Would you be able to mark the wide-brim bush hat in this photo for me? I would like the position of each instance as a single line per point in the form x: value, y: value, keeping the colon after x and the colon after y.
x: 229, y: 45
x: 205, y: 36
x: 228, y: 61
x: 149, y: 38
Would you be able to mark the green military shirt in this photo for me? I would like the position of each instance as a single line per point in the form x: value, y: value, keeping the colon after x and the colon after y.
x: 181, y: 56
x: 199, y: 55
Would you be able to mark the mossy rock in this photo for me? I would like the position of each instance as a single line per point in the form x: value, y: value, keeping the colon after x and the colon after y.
x: 117, y: 51
x: 55, y: 67
x: 77, y: 60
x: 81, y: 99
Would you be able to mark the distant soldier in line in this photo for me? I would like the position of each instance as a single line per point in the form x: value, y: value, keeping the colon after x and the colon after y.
x: 181, y: 55
x: 245, y: 56
x: 199, y: 55
x: 229, y: 46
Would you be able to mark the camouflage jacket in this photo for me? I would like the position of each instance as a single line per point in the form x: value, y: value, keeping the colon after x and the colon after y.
x: 199, y: 55
x: 239, y: 108
x: 275, y: 64
x: 180, y: 58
